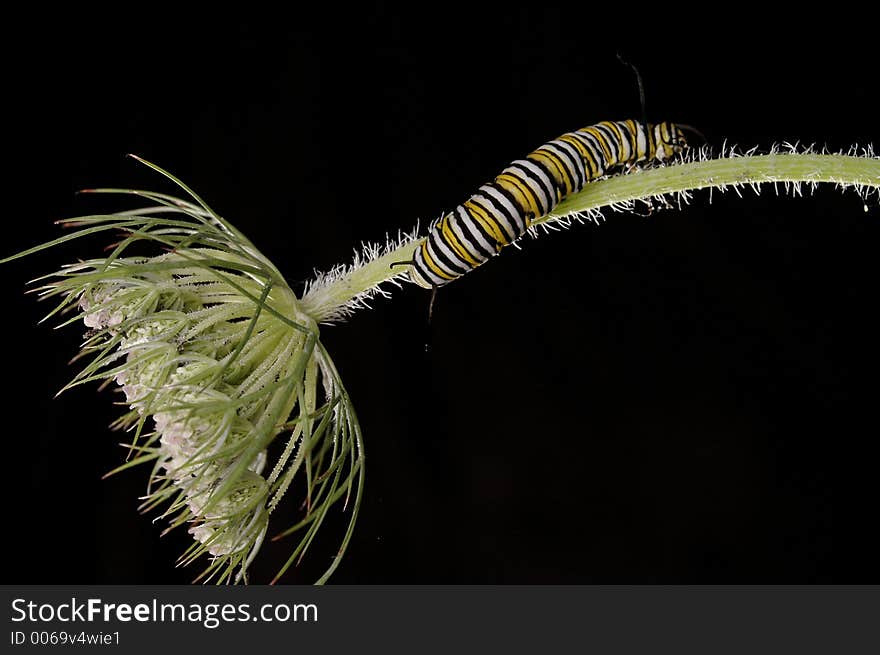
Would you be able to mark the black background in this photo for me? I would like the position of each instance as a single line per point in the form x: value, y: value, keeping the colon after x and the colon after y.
x: 683, y: 398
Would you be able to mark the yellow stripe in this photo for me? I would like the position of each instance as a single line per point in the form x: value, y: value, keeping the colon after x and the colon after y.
x: 489, y: 223
x: 563, y: 177
x: 666, y: 132
x: 633, y: 129
x: 515, y: 185
x: 577, y: 143
x: 589, y: 174
x: 614, y: 127
x: 452, y: 241
x: 430, y: 263
x: 652, y: 143
x: 623, y: 140
x: 602, y: 142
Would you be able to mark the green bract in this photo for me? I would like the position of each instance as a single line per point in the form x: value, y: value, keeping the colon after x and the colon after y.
x: 216, y: 361
x: 217, y: 357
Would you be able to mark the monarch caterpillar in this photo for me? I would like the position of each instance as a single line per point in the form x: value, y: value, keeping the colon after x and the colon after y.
x: 501, y: 211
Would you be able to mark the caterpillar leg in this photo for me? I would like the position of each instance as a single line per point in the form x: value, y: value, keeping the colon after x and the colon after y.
x: 434, y: 288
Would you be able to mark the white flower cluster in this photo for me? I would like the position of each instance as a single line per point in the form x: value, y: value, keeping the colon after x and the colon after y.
x: 170, y: 374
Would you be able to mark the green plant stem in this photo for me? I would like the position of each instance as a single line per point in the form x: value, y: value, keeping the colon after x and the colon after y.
x: 358, y: 281
x: 719, y: 173
x: 860, y: 172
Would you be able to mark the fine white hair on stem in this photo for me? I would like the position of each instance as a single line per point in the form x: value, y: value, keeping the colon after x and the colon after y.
x: 321, y: 303
x: 790, y: 167
x: 218, y: 358
x: 561, y: 219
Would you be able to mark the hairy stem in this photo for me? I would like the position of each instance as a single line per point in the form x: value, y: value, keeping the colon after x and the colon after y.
x: 859, y: 172
x: 720, y: 173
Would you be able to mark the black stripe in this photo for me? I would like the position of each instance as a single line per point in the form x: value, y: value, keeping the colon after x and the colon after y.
x: 586, y: 139
x: 541, y: 183
x: 431, y: 249
x: 442, y: 260
x: 455, y: 268
x: 625, y: 132
x: 611, y: 141
x: 469, y: 243
x: 459, y: 260
x: 526, y: 189
x: 564, y: 173
x: 500, y: 210
x: 555, y: 191
x: 504, y: 225
x: 595, y: 146
x: 469, y: 226
x: 521, y: 217
x: 632, y: 141
x: 573, y: 157
x: 472, y: 249
x: 427, y: 274
x: 669, y: 136
x: 619, y: 142
x: 633, y: 134
x: 568, y: 168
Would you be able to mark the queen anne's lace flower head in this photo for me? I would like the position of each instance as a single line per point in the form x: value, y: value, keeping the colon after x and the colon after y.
x: 217, y: 358
x: 216, y: 361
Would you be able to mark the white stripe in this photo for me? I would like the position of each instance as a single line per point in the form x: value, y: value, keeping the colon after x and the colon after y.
x: 519, y: 227
x: 458, y: 223
x: 504, y: 224
x: 426, y: 273
x: 443, y: 267
x: 642, y: 142
x: 581, y: 159
x: 611, y: 142
x: 589, y: 142
x: 451, y: 254
x: 626, y: 153
x: 537, y: 188
x: 563, y: 150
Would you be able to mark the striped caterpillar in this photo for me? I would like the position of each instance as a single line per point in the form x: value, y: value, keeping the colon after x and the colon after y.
x: 501, y: 211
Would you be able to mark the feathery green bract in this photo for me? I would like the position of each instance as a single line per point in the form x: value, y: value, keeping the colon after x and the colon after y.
x: 216, y: 360
x: 217, y: 357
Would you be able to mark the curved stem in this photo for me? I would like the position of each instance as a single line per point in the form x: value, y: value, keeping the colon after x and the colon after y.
x: 859, y: 172
x: 845, y: 170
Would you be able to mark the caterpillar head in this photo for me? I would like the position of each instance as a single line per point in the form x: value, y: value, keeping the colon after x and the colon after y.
x: 669, y: 139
